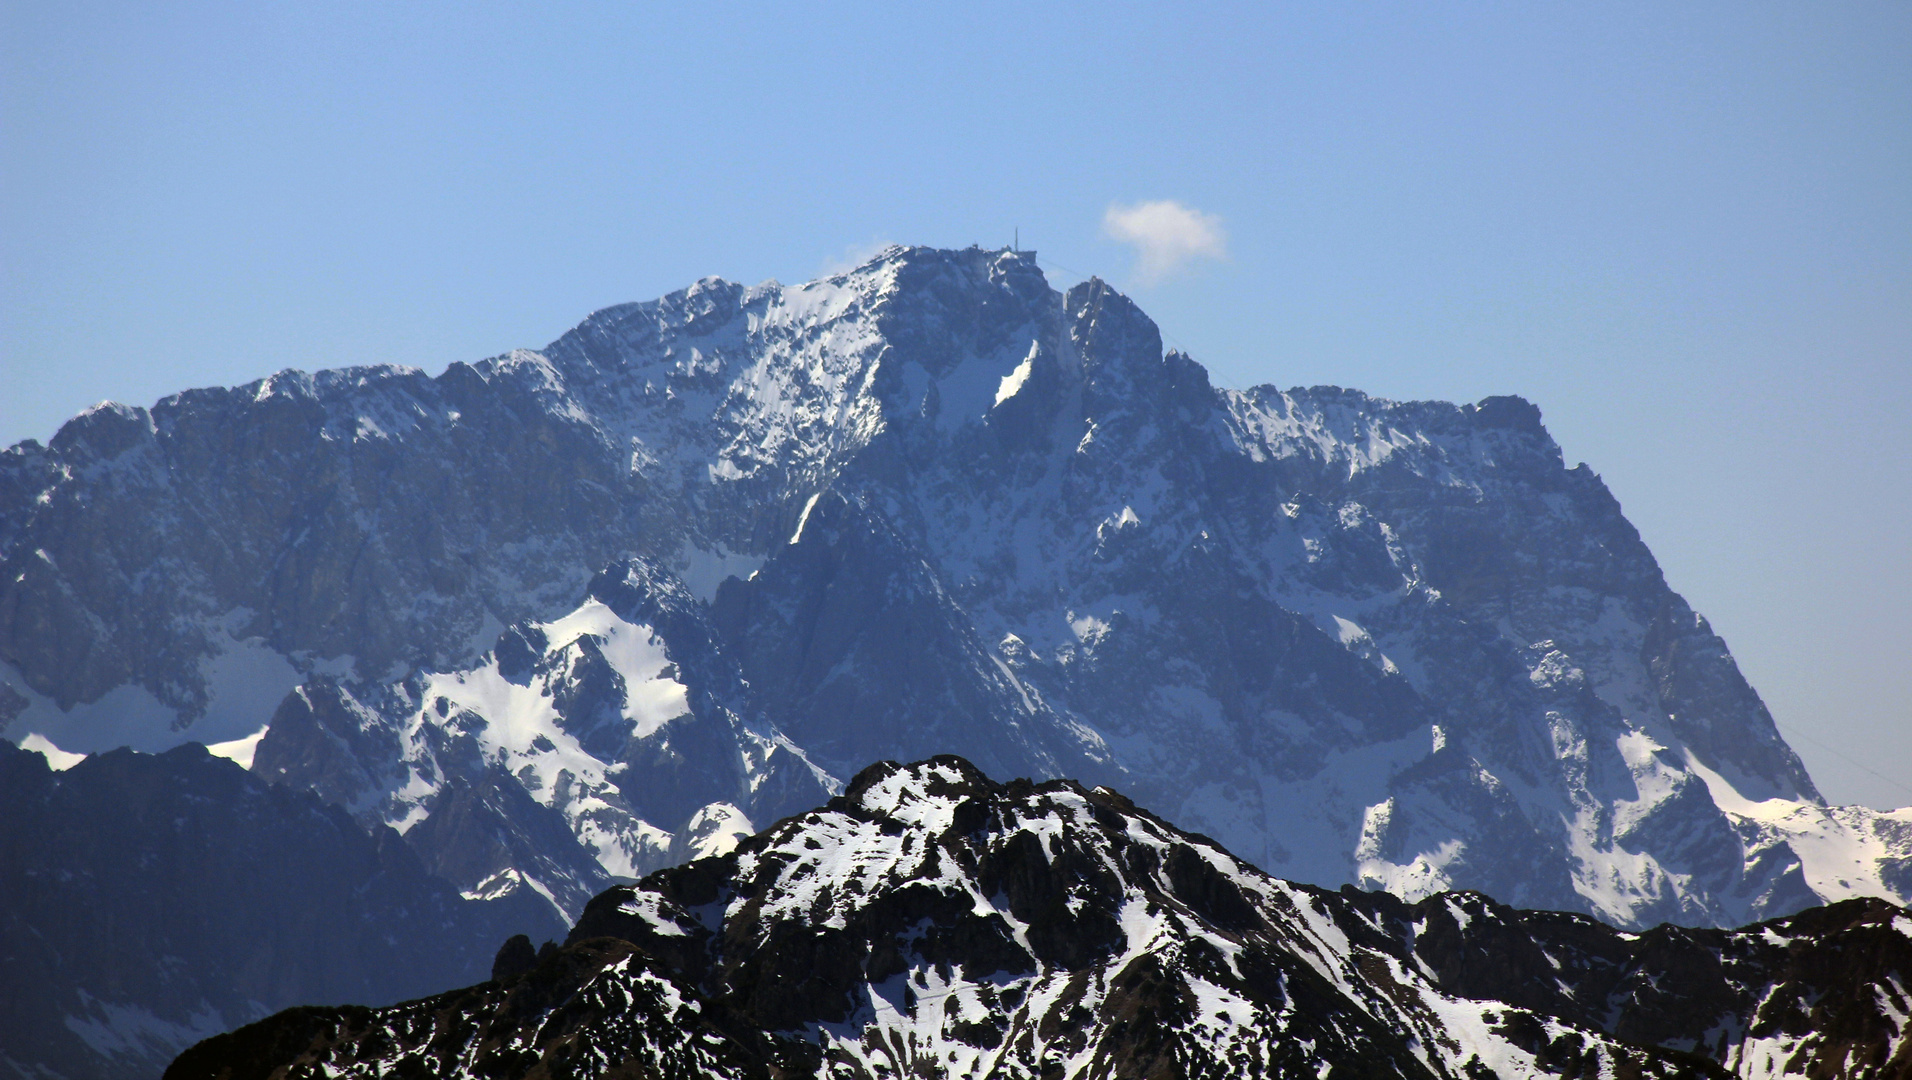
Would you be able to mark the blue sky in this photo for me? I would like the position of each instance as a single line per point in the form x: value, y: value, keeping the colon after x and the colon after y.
x: 1684, y: 230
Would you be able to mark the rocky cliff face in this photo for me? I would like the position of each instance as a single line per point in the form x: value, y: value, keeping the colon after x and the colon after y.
x: 689, y: 567
x: 930, y: 922
x: 150, y: 901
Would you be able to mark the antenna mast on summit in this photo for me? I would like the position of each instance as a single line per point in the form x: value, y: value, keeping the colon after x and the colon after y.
x: 1016, y: 244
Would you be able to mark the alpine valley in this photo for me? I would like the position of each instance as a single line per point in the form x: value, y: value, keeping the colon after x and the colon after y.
x: 493, y: 642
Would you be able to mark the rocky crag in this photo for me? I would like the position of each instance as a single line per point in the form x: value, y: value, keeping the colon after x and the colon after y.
x: 930, y: 922
x: 687, y: 568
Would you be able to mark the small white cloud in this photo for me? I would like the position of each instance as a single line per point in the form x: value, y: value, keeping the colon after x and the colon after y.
x: 852, y: 257
x: 1167, y: 236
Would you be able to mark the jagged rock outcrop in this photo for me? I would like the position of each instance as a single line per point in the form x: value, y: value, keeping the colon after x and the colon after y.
x: 931, y: 922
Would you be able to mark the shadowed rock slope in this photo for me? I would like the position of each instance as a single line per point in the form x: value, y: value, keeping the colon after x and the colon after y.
x: 930, y: 922
x: 150, y: 901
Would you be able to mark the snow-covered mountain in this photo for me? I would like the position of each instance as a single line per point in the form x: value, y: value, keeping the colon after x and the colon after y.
x: 564, y: 616
x: 930, y: 922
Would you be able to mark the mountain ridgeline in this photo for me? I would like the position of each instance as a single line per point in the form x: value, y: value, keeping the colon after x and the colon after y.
x: 930, y: 922
x: 564, y: 617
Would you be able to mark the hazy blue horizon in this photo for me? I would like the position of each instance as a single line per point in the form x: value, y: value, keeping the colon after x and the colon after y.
x: 1685, y: 234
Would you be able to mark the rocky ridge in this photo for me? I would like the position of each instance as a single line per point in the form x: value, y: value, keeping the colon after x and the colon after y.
x: 931, y: 922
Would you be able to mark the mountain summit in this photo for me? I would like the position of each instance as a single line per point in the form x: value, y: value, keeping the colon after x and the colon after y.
x: 930, y: 922
x: 563, y: 617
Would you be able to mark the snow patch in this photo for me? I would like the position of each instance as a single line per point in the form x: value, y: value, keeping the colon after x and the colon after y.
x: 1012, y: 383
x: 57, y: 759
x: 703, y: 571
x: 715, y: 829
x: 520, y: 727
x: 245, y: 681
x: 239, y: 750
x: 804, y: 518
x: 1843, y: 851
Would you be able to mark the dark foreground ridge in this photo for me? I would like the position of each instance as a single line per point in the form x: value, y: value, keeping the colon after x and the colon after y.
x: 932, y: 922
x: 149, y: 900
